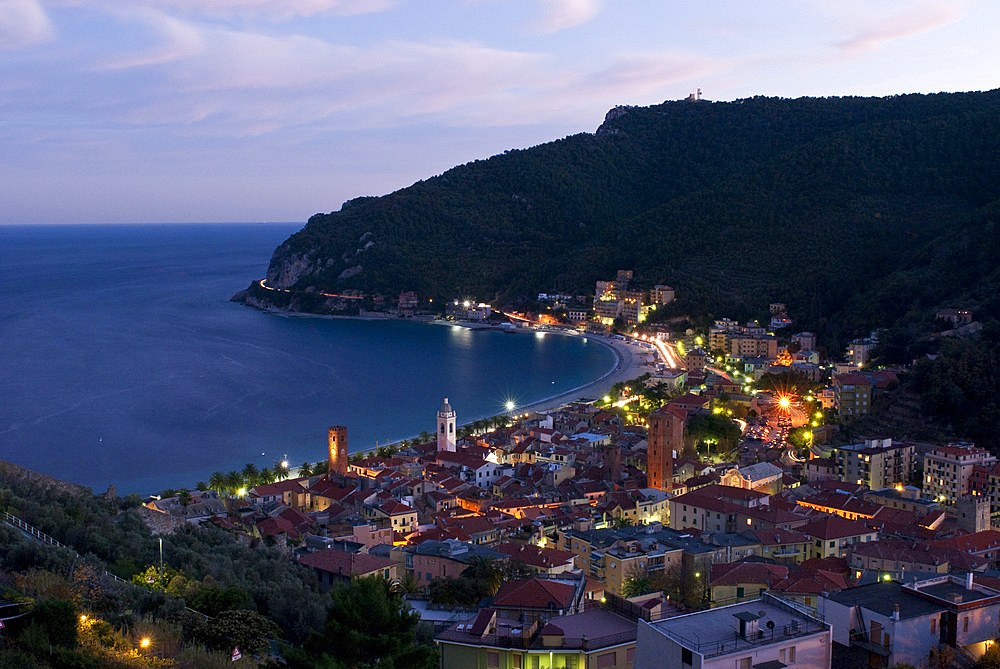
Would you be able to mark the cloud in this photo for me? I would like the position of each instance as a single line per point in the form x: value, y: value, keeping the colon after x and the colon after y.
x: 23, y: 23
x: 908, y: 22
x: 274, y: 9
x: 561, y: 14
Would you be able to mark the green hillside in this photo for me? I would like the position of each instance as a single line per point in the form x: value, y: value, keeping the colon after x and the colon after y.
x: 853, y: 211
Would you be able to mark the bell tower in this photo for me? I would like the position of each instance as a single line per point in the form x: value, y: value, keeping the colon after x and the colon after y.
x: 446, y: 427
x: 338, y: 450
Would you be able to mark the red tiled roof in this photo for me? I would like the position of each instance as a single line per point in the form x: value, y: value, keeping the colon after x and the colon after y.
x: 835, y: 527
x: 535, y: 593
x: 747, y: 572
x: 344, y: 563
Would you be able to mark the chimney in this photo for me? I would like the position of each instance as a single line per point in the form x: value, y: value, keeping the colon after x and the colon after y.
x: 968, y: 581
x: 895, y: 612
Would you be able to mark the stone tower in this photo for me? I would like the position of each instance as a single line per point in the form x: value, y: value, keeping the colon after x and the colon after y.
x: 446, y: 427
x: 338, y: 451
x: 973, y: 513
x: 666, y: 434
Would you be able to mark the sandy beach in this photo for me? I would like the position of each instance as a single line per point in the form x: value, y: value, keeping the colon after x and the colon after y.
x: 631, y: 359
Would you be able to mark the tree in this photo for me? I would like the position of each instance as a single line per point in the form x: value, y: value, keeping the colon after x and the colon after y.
x: 234, y: 481
x: 217, y: 482
x: 487, y: 572
x: 250, y: 474
x: 637, y: 582
x: 184, y: 497
x: 305, y: 469
x: 367, y: 625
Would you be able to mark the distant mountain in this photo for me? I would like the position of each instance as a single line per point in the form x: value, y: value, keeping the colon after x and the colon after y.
x: 852, y: 211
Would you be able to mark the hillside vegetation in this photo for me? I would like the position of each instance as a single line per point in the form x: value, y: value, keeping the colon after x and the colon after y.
x: 853, y: 211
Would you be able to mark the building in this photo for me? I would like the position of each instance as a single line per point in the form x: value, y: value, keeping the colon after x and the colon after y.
x: 859, y: 351
x: 661, y: 295
x: 595, y: 638
x: 753, y: 346
x: 762, y: 476
x: 805, y: 340
x: 876, y: 463
x: 337, y: 463
x: 763, y: 633
x: 852, y: 394
x: 900, y: 624
x: 666, y: 434
x: 334, y: 566
x: 948, y: 470
x: 468, y: 311
x: 446, y: 427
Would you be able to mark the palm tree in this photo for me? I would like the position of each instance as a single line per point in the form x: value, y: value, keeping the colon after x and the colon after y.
x: 184, y: 497
x: 305, y: 469
x: 250, y: 474
x: 486, y: 571
x: 281, y: 471
x: 217, y: 482
x: 425, y: 436
x: 266, y: 476
x: 201, y: 485
x: 234, y: 481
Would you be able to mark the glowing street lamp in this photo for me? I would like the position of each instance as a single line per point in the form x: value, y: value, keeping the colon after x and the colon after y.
x: 145, y: 642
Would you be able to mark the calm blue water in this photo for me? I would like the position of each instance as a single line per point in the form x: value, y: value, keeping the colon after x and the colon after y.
x: 122, y: 360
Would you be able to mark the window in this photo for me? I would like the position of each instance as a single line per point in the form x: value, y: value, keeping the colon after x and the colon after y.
x: 965, y: 624
x: 492, y: 659
x: 535, y: 661
x: 606, y: 660
x: 687, y: 657
x: 791, y: 655
x: 933, y: 625
x: 516, y: 661
x: 743, y: 663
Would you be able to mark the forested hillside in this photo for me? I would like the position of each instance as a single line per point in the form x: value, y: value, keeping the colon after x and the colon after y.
x: 853, y: 211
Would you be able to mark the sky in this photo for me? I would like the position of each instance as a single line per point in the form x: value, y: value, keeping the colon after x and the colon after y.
x: 134, y: 111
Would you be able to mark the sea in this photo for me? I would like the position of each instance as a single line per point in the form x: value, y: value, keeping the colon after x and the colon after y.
x: 123, y: 362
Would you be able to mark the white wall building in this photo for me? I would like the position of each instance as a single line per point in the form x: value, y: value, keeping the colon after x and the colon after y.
x: 902, y: 623
x: 741, y: 636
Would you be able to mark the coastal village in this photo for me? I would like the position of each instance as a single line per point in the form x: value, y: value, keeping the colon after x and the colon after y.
x: 714, y: 508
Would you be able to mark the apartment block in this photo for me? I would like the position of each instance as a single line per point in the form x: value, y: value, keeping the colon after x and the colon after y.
x: 948, y: 470
x: 876, y: 463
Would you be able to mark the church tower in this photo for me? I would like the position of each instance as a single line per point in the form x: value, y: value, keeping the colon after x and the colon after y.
x: 338, y: 451
x: 665, y: 435
x: 446, y: 427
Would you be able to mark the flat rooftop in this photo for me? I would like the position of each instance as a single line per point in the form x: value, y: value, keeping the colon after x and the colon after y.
x: 716, y: 631
x: 881, y: 597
